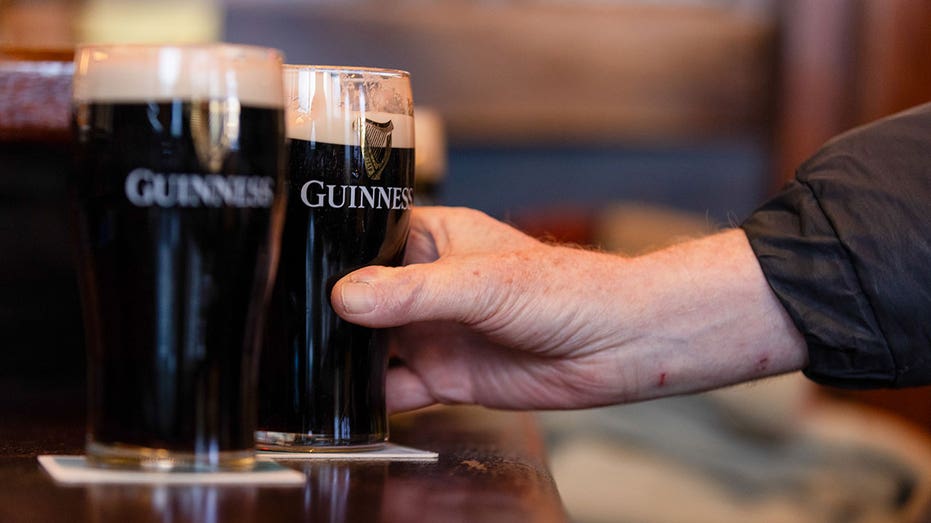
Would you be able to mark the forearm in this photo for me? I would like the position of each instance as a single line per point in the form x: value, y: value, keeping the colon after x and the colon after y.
x: 701, y: 315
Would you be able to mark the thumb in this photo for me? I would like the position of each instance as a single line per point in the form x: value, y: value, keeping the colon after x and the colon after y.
x: 393, y: 296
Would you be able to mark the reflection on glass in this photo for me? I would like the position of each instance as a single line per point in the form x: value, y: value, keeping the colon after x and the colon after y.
x: 169, y: 504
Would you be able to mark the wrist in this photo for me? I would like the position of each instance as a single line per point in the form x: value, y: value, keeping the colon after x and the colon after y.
x: 700, y: 315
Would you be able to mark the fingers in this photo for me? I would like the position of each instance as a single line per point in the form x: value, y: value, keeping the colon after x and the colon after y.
x: 406, y: 391
x: 462, y: 284
x: 421, y: 245
x: 438, y: 231
x: 390, y: 297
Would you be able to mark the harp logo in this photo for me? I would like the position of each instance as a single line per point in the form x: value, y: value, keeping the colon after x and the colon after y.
x: 375, y: 138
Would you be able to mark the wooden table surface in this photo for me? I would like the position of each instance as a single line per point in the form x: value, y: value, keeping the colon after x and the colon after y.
x: 491, y: 469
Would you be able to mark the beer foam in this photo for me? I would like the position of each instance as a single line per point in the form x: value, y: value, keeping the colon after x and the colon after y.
x: 144, y: 73
x: 327, y: 103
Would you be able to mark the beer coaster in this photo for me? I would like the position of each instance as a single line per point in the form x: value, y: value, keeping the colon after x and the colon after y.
x: 390, y: 452
x: 75, y: 470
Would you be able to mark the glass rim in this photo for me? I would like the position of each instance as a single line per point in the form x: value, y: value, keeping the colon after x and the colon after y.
x: 249, y: 49
x: 379, y: 71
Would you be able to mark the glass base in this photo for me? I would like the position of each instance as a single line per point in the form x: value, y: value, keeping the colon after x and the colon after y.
x: 300, y: 442
x: 149, y: 459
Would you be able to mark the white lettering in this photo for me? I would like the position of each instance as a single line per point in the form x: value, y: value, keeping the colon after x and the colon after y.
x: 352, y: 197
x: 204, y: 192
x: 305, y: 187
x: 145, y: 188
x: 366, y: 196
x: 383, y: 198
x: 331, y: 190
x: 139, y: 187
x: 316, y: 194
x: 408, y: 197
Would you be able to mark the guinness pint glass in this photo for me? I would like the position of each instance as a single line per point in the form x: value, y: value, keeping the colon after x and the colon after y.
x: 179, y: 195
x: 322, y: 379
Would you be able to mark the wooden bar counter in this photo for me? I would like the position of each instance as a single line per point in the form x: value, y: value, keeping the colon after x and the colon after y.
x: 491, y: 465
x: 491, y: 469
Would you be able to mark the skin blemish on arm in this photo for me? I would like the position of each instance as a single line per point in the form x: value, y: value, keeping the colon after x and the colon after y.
x: 662, y: 379
x: 763, y: 364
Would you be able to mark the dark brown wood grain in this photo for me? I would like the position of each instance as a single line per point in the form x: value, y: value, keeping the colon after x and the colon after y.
x: 491, y: 469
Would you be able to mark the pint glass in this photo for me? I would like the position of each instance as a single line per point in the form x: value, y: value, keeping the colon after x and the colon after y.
x: 322, y: 379
x: 179, y: 192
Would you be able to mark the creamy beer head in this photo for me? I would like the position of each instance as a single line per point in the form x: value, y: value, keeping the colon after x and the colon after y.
x: 331, y: 104
x: 141, y: 73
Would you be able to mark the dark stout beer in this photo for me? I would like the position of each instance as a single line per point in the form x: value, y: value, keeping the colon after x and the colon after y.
x: 178, y: 194
x: 175, y: 260
x: 321, y: 378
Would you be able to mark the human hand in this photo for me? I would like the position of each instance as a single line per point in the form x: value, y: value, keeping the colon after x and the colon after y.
x: 489, y: 315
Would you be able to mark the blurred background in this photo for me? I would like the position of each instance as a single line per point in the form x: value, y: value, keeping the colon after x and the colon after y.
x: 623, y: 124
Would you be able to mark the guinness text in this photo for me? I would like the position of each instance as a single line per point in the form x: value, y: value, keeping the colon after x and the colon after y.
x: 145, y: 188
x: 316, y: 194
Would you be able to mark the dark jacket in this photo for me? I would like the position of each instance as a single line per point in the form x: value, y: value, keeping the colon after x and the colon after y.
x: 846, y: 247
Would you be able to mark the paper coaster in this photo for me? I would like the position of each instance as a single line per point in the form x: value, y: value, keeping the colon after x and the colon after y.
x: 390, y: 452
x: 75, y: 470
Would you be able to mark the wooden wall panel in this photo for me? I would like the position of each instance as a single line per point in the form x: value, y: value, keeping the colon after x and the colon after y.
x: 540, y: 72
x: 845, y: 63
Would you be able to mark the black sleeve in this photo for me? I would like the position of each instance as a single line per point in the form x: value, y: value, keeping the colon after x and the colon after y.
x: 846, y: 247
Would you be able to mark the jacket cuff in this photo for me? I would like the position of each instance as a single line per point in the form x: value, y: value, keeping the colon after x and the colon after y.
x: 811, y: 273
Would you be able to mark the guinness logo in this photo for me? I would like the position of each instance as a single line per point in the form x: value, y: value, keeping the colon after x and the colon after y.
x: 146, y: 188
x: 375, y: 138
